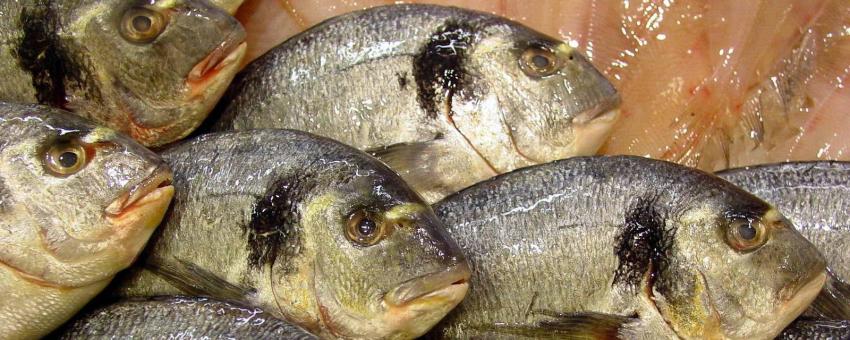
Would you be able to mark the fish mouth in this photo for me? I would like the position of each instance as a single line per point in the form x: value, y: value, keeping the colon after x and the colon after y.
x: 601, y: 110
x: 593, y: 127
x: 155, y: 190
x: 800, y: 300
x: 220, y: 63
x: 795, y: 305
x: 448, y: 282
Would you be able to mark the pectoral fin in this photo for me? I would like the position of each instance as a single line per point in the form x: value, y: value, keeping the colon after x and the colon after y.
x: 834, y: 299
x: 435, y: 168
x: 568, y: 326
x: 195, y: 280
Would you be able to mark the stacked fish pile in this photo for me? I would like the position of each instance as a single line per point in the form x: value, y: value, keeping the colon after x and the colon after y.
x: 399, y: 172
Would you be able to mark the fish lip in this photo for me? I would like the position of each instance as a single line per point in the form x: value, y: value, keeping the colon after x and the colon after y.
x: 225, y: 54
x: 605, y: 109
x: 160, y: 179
x: 425, y: 285
x: 802, y: 293
x: 795, y: 305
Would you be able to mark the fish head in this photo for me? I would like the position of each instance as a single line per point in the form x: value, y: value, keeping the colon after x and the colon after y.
x: 386, y: 268
x: 80, y: 200
x: 740, y: 269
x: 539, y: 98
x: 161, y: 65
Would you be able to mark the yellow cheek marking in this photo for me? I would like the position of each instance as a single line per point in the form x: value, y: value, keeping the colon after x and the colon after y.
x: 166, y: 4
x: 404, y: 210
x: 563, y: 49
x: 773, y: 218
x: 100, y: 134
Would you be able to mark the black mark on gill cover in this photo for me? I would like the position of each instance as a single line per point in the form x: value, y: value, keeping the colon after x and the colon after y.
x: 40, y: 53
x: 438, y: 67
x: 275, y: 228
x: 643, y: 245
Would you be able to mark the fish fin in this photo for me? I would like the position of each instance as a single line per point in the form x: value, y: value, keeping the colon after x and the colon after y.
x: 195, y: 280
x: 419, y: 164
x: 569, y: 326
x: 816, y: 328
x: 834, y: 299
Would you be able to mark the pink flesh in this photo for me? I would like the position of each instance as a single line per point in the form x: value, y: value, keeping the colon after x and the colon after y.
x: 685, y: 69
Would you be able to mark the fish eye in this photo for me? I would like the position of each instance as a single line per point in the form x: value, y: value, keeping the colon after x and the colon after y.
x: 539, y: 62
x: 65, y: 158
x: 365, y: 229
x: 142, y: 24
x: 746, y: 234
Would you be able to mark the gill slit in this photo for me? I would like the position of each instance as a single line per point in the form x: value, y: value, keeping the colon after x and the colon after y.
x: 274, y: 291
x: 448, y: 115
x: 513, y: 141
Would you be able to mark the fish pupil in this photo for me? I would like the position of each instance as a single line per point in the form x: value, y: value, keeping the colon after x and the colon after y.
x: 747, y: 231
x: 142, y: 23
x: 540, y: 61
x: 68, y: 159
x: 366, y: 227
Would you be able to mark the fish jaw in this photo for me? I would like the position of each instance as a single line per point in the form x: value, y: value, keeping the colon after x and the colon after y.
x: 135, y: 214
x: 216, y: 69
x: 795, y: 306
x: 591, y: 133
x: 415, y: 306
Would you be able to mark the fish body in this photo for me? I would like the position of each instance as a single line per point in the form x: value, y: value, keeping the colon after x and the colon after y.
x: 150, y: 69
x: 627, y: 247
x: 446, y: 96
x: 310, y: 230
x: 180, y: 317
x: 77, y: 204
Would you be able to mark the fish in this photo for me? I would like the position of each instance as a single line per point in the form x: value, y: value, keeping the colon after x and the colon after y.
x: 628, y: 247
x: 816, y: 329
x: 152, y: 69
x: 446, y: 96
x: 311, y: 230
x: 78, y: 201
x: 180, y: 317
x: 816, y: 196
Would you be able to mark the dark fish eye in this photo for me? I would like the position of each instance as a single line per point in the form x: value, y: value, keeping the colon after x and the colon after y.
x: 142, y: 24
x: 746, y: 234
x: 539, y: 62
x: 364, y: 229
x: 65, y: 158
x: 68, y: 159
x: 747, y: 231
